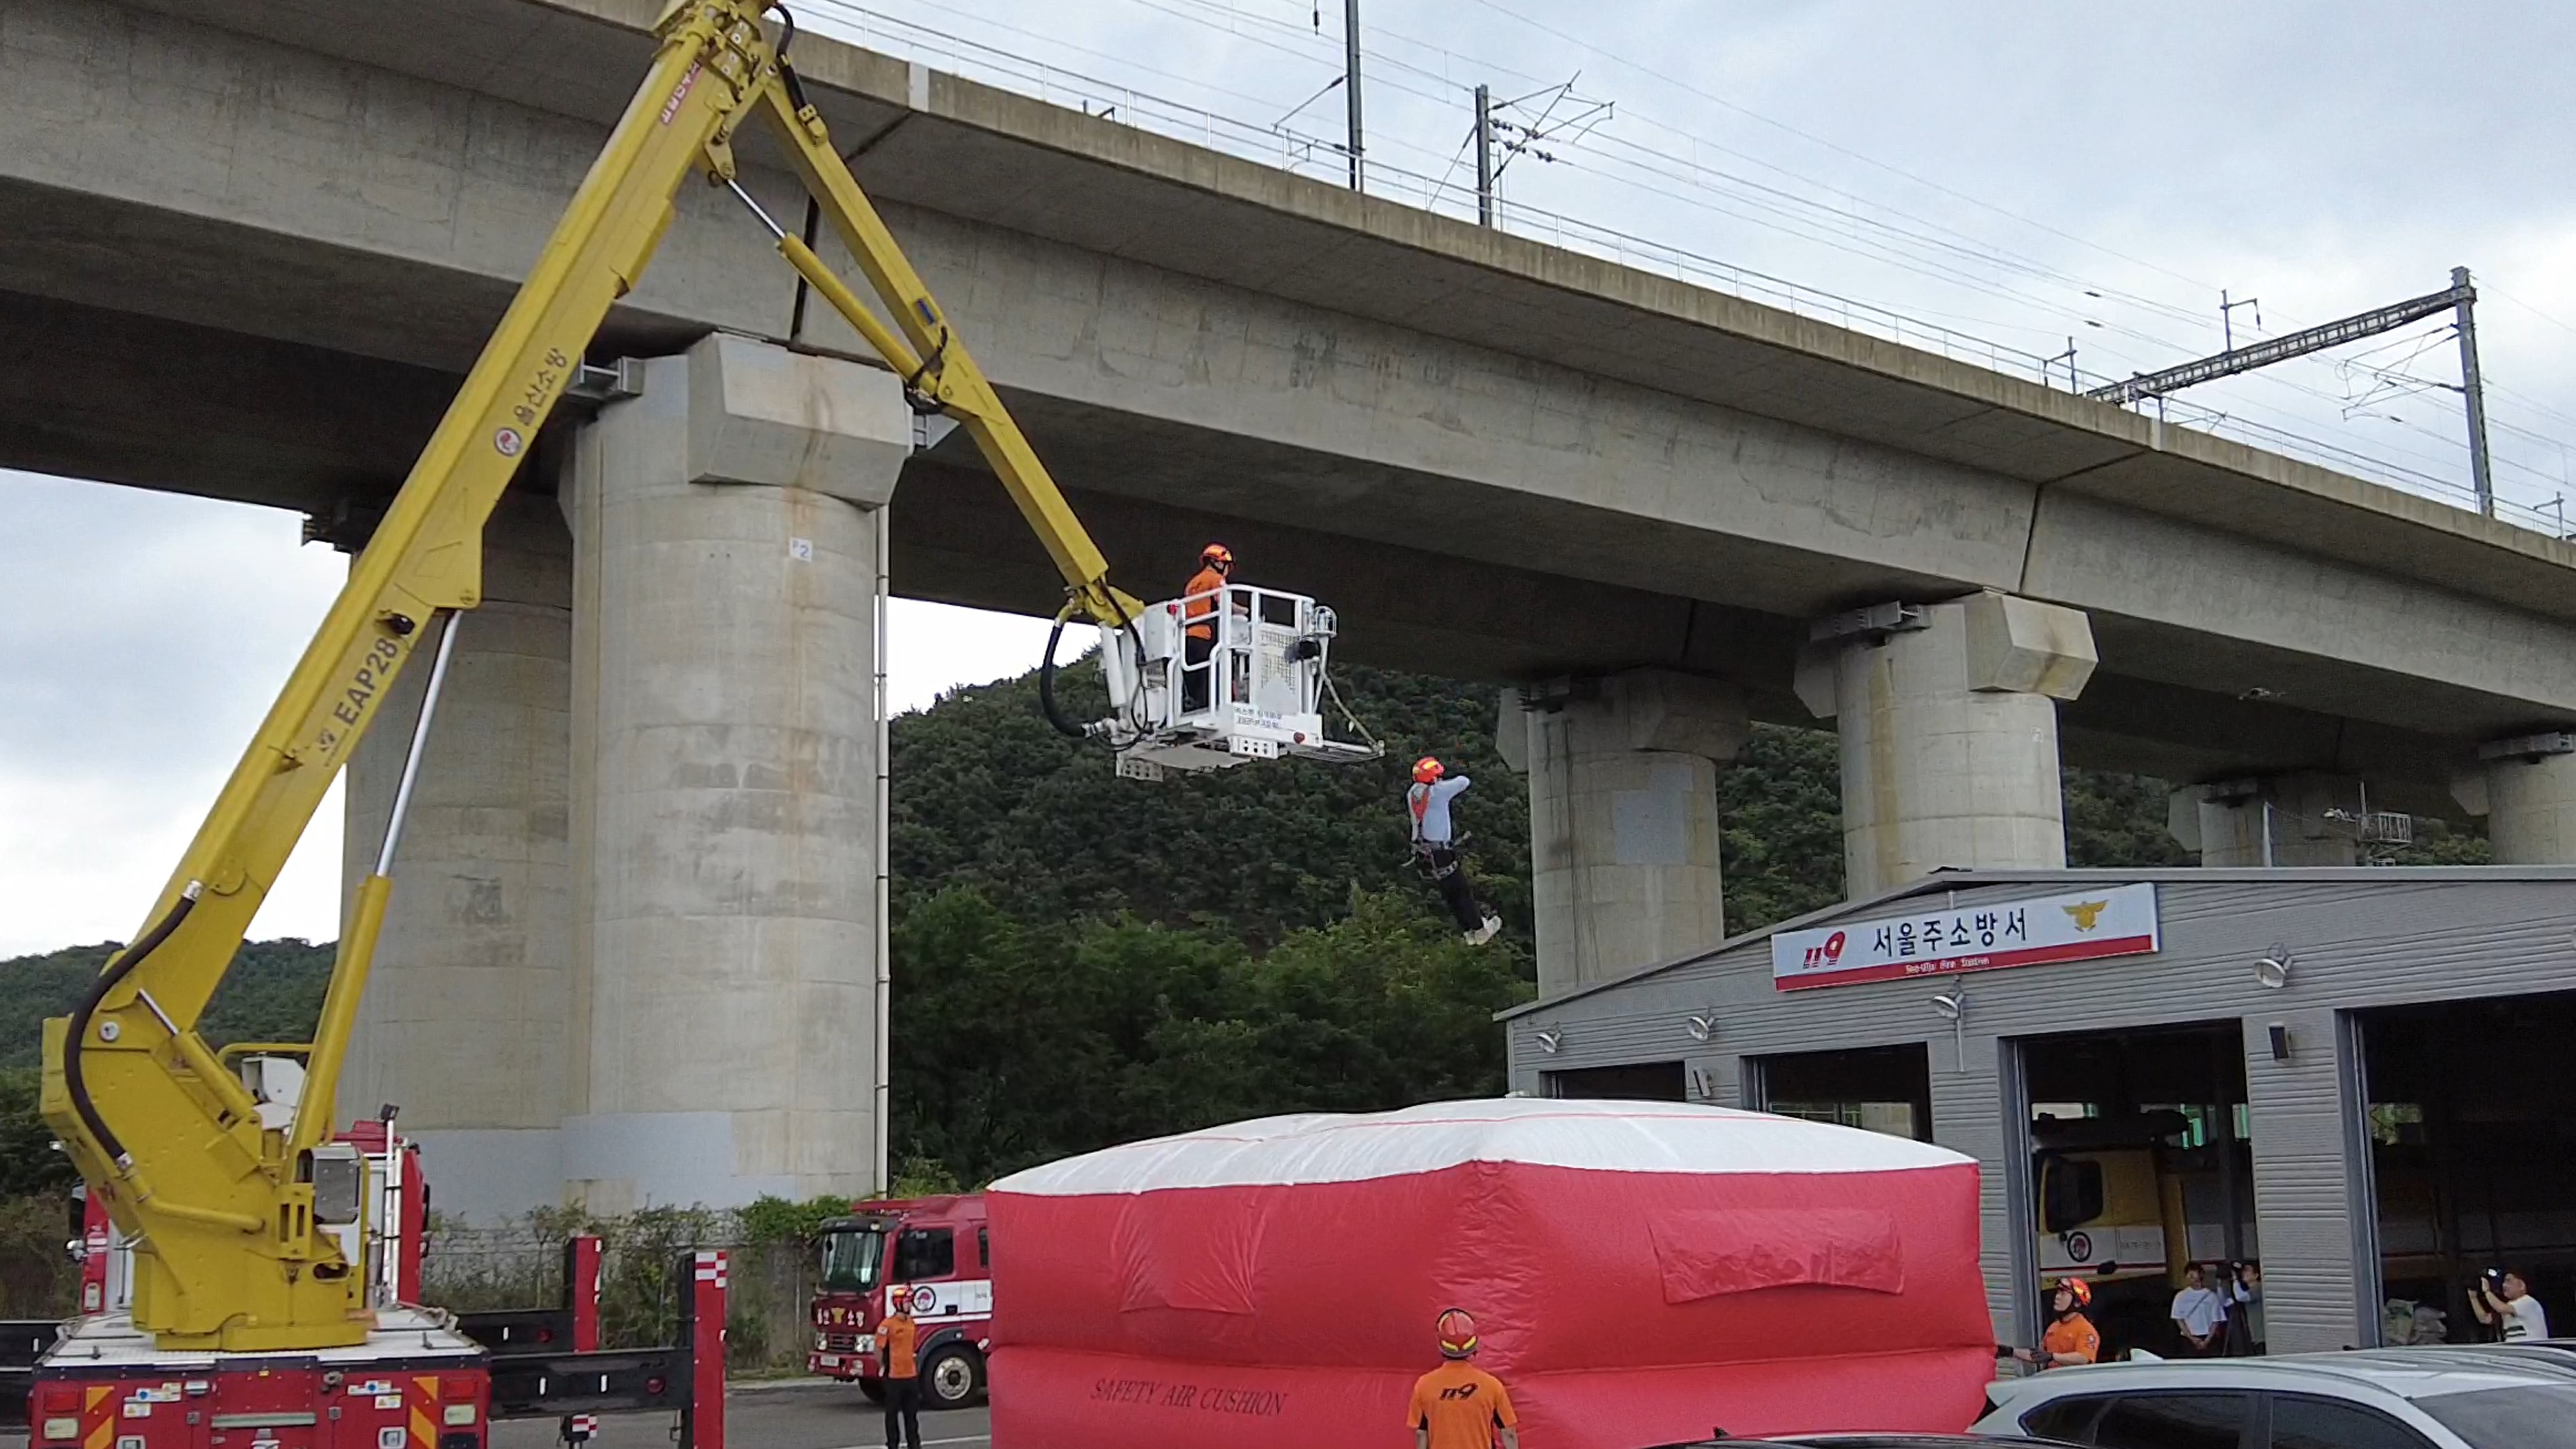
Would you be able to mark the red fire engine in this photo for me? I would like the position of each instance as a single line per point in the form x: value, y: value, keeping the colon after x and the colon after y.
x: 90, y: 1381
x: 936, y: 1252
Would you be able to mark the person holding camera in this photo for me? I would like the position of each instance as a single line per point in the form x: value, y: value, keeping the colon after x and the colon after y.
x: 2502, y: 1301
x: 2245, y: 1313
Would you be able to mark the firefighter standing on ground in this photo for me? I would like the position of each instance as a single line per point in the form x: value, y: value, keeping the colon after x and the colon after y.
x: 1458, y: 1405
x: 2071, y: 1338
x: 1435, y: 847
x: 898, y: 1338
x: 1216, y: 561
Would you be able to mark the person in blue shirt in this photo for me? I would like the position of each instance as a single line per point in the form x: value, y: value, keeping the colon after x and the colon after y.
x: 1435, y: 847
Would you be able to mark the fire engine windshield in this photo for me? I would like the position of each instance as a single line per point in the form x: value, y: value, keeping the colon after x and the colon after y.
x: 853, y: 1259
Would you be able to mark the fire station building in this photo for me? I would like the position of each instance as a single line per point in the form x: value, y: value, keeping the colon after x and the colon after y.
x: 2361, y: 1080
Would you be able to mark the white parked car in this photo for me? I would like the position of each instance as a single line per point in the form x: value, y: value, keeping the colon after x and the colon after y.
x: 2431, y: 1397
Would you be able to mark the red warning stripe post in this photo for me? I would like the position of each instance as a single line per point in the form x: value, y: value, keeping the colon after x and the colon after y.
x: 702, y: 1423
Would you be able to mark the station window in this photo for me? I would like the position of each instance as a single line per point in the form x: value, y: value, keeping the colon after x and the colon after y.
x: 1881, y: 1089
x: 1635, y: 1082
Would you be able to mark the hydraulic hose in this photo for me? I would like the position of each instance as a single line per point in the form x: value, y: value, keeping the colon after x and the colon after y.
x: 76, y: 1080
x: 1046, y: 683
x: 787, y: 32
x: 1046, y: 679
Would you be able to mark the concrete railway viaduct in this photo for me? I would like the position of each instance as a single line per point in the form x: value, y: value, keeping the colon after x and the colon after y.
x: 247, y: 247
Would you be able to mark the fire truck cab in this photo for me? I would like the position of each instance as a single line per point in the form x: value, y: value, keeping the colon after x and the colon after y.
x: 937, y: 1253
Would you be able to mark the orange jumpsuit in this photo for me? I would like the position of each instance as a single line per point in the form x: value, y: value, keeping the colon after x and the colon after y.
x: 1201, y: 613
x: 2074, y: 1335
x: 1460, y: 1404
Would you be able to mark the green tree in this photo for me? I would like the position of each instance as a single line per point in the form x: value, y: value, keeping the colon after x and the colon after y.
x: 1081, y: 960
x: 987, y: 795
x: 273, y: 992
x: 2117, y: 820
x: 35, y: 987
x: 28, y: 1161
x: 1779, y: 810
x: 1017, y: 1043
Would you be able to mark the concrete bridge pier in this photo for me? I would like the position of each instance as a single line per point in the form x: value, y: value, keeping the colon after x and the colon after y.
x: 1624, y: 870
x: 725, y: 768
x: 2526, y: 788
x: 466, y: 1022
x: 1948, y: 718
x: 2298, y: 818
x: 631, y: 956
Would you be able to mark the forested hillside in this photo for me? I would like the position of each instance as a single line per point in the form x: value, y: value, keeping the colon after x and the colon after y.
x: 273, y: 994
x: 1082, y: 960
x: 987, y: 796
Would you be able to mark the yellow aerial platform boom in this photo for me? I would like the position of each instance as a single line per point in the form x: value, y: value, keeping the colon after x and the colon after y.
x: 220, y: 1202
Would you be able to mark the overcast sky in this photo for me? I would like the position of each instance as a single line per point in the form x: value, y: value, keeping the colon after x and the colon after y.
x: 2018, y: 173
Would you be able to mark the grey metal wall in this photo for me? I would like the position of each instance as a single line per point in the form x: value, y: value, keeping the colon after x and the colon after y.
x: 2356, y: 939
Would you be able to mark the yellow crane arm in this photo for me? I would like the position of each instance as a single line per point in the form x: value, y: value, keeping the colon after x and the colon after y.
x: 229, y: 1254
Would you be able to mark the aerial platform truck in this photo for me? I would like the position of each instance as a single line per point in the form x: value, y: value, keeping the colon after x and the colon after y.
x: 542, y: 1362
x: 254, y: 1319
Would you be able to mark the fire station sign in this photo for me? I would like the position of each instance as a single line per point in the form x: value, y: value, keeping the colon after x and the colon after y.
x: 2082, y: 926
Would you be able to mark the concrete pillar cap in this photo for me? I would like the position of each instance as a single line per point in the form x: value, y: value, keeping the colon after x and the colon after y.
x: 2306, y: 803
x: 1639, y: 709
x: 761, y: 414
x: 2009, y: 644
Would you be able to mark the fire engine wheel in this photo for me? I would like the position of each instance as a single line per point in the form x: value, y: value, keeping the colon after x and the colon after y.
x: 953, y: 1379
x: 873, y: 1390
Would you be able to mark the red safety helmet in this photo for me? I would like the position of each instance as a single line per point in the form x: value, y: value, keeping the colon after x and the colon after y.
x: 1217, y: 555
x: 2077, y: 1289
x: 1457, y: 1334
x: 1428, y: 769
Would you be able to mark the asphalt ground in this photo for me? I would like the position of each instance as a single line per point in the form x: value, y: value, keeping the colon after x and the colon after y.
x: 792, y: 1415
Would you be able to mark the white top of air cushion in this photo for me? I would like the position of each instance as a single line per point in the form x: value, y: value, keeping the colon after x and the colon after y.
x: 1321, y: 1147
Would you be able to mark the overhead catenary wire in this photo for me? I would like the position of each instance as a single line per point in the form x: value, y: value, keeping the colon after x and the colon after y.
x: 1981, y: 250
x: 1929, y: 251
x: 1780, y: 288
x: 2485, y: 286
x: 1498, y: 8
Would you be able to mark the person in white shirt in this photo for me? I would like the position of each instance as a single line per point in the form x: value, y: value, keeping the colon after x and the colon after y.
x: 2200, y: 1313
x: 2504, y: 1300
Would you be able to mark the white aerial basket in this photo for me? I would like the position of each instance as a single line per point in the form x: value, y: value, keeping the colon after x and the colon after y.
x: 1259, y: 694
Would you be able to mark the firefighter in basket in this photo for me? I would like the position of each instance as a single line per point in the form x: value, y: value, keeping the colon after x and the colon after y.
x: 1198, y: 635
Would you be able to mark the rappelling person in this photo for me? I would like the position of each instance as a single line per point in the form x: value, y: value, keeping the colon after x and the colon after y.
x: 2071, y: 1339
x: 1435, y: 847
x: 1458, y: 1405
x: 1198, y: 615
